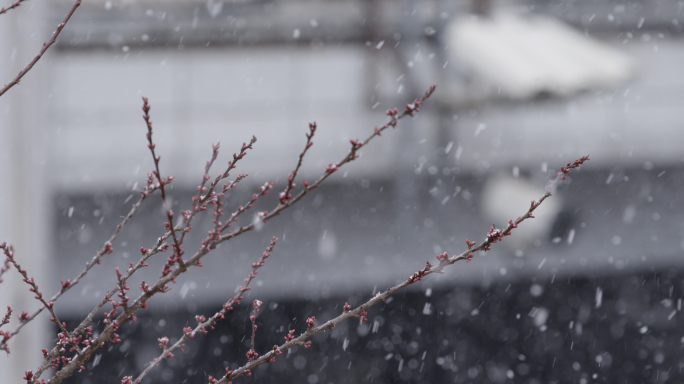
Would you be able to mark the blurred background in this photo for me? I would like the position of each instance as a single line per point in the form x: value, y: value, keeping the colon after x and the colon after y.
x: 590, y: 291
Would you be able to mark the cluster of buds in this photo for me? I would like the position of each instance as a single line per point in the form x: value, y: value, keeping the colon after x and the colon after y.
x: 356, y: 144
x: 122, y: 287
x: 276, y: 352
x: 571, y: 165
x: 413, y: 107
x: 392, y: 112
x: 493, y: 236
x: 418, y: 276
x: 144, y: 287
x: 163, y: 342
x: 252, y: 354
x: 152, y: 184
x: 6, y: 335
x: 533, y: 205
x: 362, y: 317
x: 188, y: 332
x: 28, y: 376
x: 243, y: 152
x: 68, y: 340
x: 290, y: 335
x: 108, y: 248
x: 201, y: 319
x: 65, y: 284
x: 310, y: 322
x: 331, y: 168
x: 443, y: 258
x: 256, y: 305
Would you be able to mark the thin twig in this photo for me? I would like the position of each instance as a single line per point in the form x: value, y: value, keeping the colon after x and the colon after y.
x: 177, y: 246
x: 40, y: 54
x: 14, y: 5
x: 285, y: 195
x: 8, y: 250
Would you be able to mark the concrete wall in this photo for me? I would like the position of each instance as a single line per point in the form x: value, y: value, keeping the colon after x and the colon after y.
x: 202, y: 96
x: 25, y: 189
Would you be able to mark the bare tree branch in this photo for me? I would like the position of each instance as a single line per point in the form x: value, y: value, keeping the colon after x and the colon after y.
x: 14, y: 5
x: 40, y: 54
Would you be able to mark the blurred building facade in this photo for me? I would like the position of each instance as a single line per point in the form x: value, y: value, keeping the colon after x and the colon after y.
x: 509, y: 106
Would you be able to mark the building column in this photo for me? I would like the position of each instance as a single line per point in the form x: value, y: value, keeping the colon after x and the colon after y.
x: 25, y: 194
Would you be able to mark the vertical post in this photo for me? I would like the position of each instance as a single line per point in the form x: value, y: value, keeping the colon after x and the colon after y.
x: 24, y: 190
x: 406, y: 182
